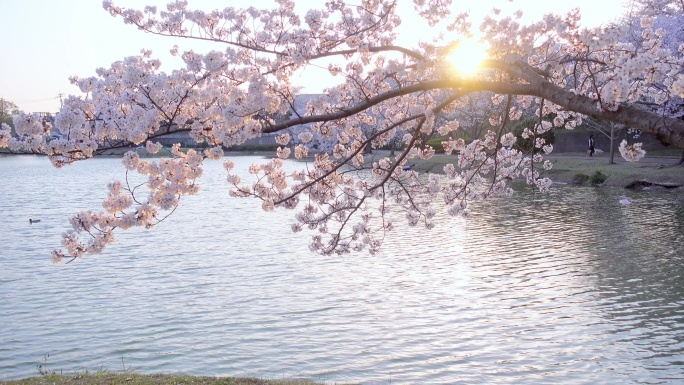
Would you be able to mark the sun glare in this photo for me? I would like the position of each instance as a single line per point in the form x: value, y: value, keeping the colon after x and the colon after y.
x: 468, y: 56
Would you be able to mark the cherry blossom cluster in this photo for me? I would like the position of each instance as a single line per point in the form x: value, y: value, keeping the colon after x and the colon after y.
x: 5, y: 135
x: 129, y: 206
x: 631, y: 152
x: 543, y: 76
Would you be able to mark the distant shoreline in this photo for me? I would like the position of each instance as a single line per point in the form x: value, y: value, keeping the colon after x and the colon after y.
x: 651, y: 170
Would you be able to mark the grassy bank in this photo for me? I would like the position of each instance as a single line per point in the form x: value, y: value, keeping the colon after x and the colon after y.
x: 654, y: 170
x: 106, y: 378
x: 657, y: 168
x: 566, y: 166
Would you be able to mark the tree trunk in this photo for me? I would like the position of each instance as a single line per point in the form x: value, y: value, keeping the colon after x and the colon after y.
x: 612, y: 148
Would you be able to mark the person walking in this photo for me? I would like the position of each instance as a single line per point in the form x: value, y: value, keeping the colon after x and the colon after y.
x: 591, y: 145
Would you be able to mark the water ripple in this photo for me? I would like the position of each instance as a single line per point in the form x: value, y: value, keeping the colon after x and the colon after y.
x: 568, y: 287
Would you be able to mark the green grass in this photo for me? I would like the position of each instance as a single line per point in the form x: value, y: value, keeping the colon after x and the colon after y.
x: 655, y: 170
x: 580, y: 178
x: 107, y: 378
x: 669, y: 151
x: 566, y: 166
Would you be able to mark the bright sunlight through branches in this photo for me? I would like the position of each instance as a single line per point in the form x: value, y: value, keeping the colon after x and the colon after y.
x: 468, y: 56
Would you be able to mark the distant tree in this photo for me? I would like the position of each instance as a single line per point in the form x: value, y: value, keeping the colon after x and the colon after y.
x: 610, y: 130
x: 7, y: 110
x: 474, y: 112
x: 527, y: 131
x: 663, y: 19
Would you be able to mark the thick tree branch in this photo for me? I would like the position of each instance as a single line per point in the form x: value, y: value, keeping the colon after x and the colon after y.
x: 667, y: 130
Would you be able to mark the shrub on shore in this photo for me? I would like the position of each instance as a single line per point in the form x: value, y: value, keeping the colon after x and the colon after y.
x: 580, y: 178
x: 597, y: 178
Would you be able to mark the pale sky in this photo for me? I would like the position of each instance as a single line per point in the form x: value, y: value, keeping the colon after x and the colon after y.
x: 44, y: 42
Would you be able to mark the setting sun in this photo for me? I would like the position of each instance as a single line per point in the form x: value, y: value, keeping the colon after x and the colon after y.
x: 468, y: 55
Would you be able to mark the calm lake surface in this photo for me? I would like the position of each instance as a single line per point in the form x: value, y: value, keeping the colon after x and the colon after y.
x: 222, y: 288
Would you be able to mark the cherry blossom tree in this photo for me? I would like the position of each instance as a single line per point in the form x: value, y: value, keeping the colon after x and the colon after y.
x: 7, y: 110
x: 609, y: 130
x: 473, y: 114
x: 668, y: 18
x: 223, y: 98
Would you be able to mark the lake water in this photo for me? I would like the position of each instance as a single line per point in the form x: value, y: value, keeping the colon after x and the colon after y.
x: 222, y: 288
